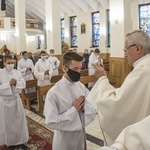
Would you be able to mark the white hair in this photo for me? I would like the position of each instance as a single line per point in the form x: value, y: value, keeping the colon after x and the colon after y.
x: 139, y: 37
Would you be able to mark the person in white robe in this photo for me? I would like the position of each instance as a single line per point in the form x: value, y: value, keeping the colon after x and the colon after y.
x: 53, y: 60
x: 94, y: 58
x: 130, y: 103
x: 66, y: 109
x: 26, y: 67
x: 133, y: 137
x: 43, y: 70
x: 13, y: 125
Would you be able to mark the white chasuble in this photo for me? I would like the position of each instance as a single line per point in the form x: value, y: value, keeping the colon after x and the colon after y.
x: 121, y: 107
x: 134, y: 137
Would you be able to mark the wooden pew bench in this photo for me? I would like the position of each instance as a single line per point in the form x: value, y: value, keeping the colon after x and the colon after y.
x: 56, y: 78
x: 87, y: 79
x: 26, y: 98
x: 84, y: 72
x: 42, y: 91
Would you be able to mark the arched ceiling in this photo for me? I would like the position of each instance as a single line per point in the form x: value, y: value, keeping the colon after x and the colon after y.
x: 35, y: 9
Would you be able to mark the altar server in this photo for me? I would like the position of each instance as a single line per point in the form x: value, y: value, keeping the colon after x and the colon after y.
x: 26, y: 66
x: 43, y: 70
x: 13, y: 125
x: 94, y: 58
x: 54, y: 62
x: 66, y: 109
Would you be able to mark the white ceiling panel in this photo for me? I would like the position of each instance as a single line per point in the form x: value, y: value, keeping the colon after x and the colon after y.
x: 36, y: 8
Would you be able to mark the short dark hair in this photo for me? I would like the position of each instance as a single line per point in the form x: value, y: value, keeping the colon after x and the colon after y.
x: 69, y: 56
x: 7, y: 57
x: 42, y: 52
x: 24, y: 52
x: 97, y: 50
x: 52, y: 50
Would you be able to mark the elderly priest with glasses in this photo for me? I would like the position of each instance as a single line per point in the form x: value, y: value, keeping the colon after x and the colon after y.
x: 130, y: 103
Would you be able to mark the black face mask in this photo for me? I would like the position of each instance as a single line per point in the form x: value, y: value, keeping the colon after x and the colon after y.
x: 73, y: 75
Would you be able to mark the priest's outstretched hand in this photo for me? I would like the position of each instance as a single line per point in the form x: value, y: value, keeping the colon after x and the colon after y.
x: 99, y: 71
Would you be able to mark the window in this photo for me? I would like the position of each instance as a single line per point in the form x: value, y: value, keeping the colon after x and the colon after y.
x: 95, y: 29
x: 144, y: 17
x: 73, y: 31
x: 31, y: 24
x: 108, y: 29
x: 62, y: 25
x: 39, y: 42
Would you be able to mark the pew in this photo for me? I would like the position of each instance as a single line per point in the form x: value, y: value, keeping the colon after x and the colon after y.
x: 26, y: 98
x: 87, y: 79
x: 84, y: 72
x: 56, y: 78
x: 42, y: 90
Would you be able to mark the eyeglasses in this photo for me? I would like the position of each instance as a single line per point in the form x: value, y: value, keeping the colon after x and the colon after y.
x: 125, y: 49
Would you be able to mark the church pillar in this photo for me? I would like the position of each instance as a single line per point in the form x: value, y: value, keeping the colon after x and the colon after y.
x: 120, y: 25
x: 52, y: 9
x: 20, y: 26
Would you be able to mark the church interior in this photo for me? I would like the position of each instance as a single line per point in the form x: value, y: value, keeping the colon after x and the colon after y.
x: 70, y: 25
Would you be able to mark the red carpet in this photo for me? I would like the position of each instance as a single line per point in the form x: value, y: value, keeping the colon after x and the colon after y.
x: 40, y: 138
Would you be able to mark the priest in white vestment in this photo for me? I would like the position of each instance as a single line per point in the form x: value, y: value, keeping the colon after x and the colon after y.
x: 66, y: 109
x: 43, y: 70
x: 121, y: 107
x: 26, y: 67
x: 54, y: 62
x: 13, y: 125
x: 134, y: 137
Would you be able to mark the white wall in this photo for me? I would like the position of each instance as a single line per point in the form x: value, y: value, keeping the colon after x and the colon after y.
x: 7, y: 39
x: 10, y: 41
x: 84, y: 40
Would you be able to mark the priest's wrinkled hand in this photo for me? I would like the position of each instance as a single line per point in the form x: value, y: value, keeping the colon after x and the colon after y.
x: 99, y: 71
x: 12, y: 82
x: 79, y: 103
